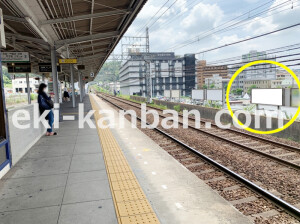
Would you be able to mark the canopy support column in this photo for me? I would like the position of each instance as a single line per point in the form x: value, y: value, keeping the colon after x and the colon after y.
x: 28, y: 88
x: 54, y: 74
x: 72, y: 83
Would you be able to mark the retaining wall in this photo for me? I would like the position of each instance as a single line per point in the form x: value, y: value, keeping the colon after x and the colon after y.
x: 292, y: 132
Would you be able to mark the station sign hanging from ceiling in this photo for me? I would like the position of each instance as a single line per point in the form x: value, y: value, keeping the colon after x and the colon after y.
x: 81, y: 67
x: 68, y: 61
x: 10, y: 57
x: 19, y: 67
x: 47, y: 67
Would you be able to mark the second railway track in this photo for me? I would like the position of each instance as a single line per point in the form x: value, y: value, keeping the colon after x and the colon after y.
x: 286, y: 154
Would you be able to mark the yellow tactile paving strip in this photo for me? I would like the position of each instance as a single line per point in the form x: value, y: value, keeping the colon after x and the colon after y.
x: 129, y: 199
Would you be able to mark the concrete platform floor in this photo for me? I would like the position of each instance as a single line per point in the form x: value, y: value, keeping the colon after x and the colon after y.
x: 176, y: 195
x: 61, y: 180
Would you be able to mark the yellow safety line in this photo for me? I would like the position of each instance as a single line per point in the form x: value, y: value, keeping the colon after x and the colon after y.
x: 130, y: 202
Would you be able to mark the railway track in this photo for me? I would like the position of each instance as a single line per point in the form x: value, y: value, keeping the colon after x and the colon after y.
x: 217, y: 176
x: 220, y: 177
x: 283, y: 153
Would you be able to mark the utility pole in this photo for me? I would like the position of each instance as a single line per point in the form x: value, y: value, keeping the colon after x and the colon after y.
x: 148, y: 73
x: 147, y: 40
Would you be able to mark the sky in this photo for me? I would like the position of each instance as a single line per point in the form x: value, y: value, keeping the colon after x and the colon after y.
x: 198, y: 20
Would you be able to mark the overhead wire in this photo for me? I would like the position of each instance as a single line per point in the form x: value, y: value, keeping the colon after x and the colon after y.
x: 231, y: 26
x: 144, y: 26
x: 250, y: 38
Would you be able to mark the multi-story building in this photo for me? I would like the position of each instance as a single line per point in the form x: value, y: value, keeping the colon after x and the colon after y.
x: 215, y: 80
x: 19, y: 85
x: 256, y: 72
x: 260, y: 84
x: 166, y: 71
x: 205, y: 71
x: 276, y: 84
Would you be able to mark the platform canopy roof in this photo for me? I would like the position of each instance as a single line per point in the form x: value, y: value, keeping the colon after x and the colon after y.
x: 88, y: 30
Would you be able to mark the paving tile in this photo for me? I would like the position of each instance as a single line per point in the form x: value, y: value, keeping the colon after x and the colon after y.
x: 87, y: 191
x: 87, y: 131
x: 91, y: 139
x: 45, y: 215
x: 87, y: 176
x: 94, y: 212
x: 62, y: 132
x: 44, y: 151
x: 16, y: 187
x: 42, y: 166
x: 87, y: 162
x: 38, y: 199
x: 85, y: 148
x: 51, y: 140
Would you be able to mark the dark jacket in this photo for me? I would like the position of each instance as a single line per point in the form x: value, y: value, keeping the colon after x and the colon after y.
x: 43, y: 104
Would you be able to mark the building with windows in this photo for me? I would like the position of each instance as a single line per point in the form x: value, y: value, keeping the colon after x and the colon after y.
x: 215, y: 80
x: 167, y: 72
x: 260, y: 84
x: 276, y: 84
x: 205, y: 71
x: 19, y: 85
x: 255, y: 72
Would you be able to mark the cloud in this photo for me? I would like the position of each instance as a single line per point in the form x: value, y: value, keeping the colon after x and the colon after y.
x: 185, y: 21
x: 202, y: 17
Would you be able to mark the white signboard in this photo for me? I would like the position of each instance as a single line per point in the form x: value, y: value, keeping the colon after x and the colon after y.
x: 167, y: 93
x: 267, y: 96
x: 175, y: 94
x: 214, y: 94
x: 2, y: 34
x: 198, y: 94
x: 15, y: 57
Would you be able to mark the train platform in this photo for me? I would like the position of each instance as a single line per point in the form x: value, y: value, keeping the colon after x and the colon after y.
x: 106, y: 176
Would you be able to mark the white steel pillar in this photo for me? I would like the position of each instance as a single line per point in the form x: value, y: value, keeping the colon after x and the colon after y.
x: 80, y: 85
x: 54, y: 74
x: 72, y: 83
x: 28, y: 88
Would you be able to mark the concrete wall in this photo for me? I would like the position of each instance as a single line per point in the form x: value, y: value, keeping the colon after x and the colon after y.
x: 138, y: 98
x: 291, y: 132
x: 22, y: 140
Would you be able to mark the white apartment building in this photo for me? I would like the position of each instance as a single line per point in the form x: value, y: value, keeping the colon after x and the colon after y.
x: 19, y: 85
x: 254, y: 72
x: 216, y: 80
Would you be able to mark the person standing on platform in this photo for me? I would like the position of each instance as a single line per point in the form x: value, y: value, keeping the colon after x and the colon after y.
x: 45, y: 103
x: 66, y: 95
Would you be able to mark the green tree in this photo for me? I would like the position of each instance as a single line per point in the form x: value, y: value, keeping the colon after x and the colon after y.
x: 204, y: 86
x: 239, y: 91
x: 109, y: 72
x: 250, y: 88
x: 6, y: 78
x: 212, y: 86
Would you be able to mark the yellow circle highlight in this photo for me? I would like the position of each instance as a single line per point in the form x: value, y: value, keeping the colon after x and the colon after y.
x: 234, y: 77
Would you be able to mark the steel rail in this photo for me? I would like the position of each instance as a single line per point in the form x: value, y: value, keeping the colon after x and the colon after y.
x: 266, y: 194
x: 282, y: 161
x: 296, y: 149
